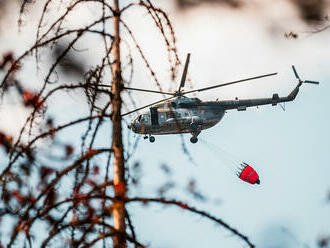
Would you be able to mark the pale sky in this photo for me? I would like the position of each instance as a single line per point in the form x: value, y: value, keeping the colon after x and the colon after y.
x: 289, y: 149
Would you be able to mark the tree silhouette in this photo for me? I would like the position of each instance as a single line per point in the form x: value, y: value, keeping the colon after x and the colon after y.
x: 57, y: 191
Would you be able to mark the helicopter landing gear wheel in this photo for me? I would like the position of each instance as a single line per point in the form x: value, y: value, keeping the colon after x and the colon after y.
x: 152, y: 139
x: 193, y: 140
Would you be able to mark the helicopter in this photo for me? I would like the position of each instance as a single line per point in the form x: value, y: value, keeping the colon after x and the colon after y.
x: 180, y: 114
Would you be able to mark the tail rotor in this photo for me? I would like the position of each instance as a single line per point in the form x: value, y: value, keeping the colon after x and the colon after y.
x: 303, y: 81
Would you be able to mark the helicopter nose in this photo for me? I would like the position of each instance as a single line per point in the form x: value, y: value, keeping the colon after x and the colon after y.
x: 135, y: 127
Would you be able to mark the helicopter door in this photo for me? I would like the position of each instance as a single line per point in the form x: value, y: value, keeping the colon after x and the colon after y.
x: 154, y: 116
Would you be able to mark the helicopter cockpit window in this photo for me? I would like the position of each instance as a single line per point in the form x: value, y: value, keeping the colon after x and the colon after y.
x: 143, y: 118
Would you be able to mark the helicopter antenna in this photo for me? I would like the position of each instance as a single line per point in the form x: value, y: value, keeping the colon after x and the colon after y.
x: 184, y: 74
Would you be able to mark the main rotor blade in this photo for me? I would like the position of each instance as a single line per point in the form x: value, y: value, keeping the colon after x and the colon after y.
x: 184, y: 74
x: 295, y: 72
x: 148, y: 105
x: 311, y: 82
x: 138, y: 89
x: 151, y: 91
x: 229, y: 83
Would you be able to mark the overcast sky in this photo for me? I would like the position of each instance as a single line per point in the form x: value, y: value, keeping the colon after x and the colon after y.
x: 289, y: 149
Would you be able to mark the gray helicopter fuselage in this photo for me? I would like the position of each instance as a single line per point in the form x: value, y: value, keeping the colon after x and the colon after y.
x: 178, y: 115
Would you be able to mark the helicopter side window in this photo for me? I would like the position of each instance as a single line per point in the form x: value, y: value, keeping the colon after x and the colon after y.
x: 139, y: 118
x: 170, y: 115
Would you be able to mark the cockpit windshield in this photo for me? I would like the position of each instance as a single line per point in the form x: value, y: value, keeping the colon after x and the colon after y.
x: 142, y: 118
